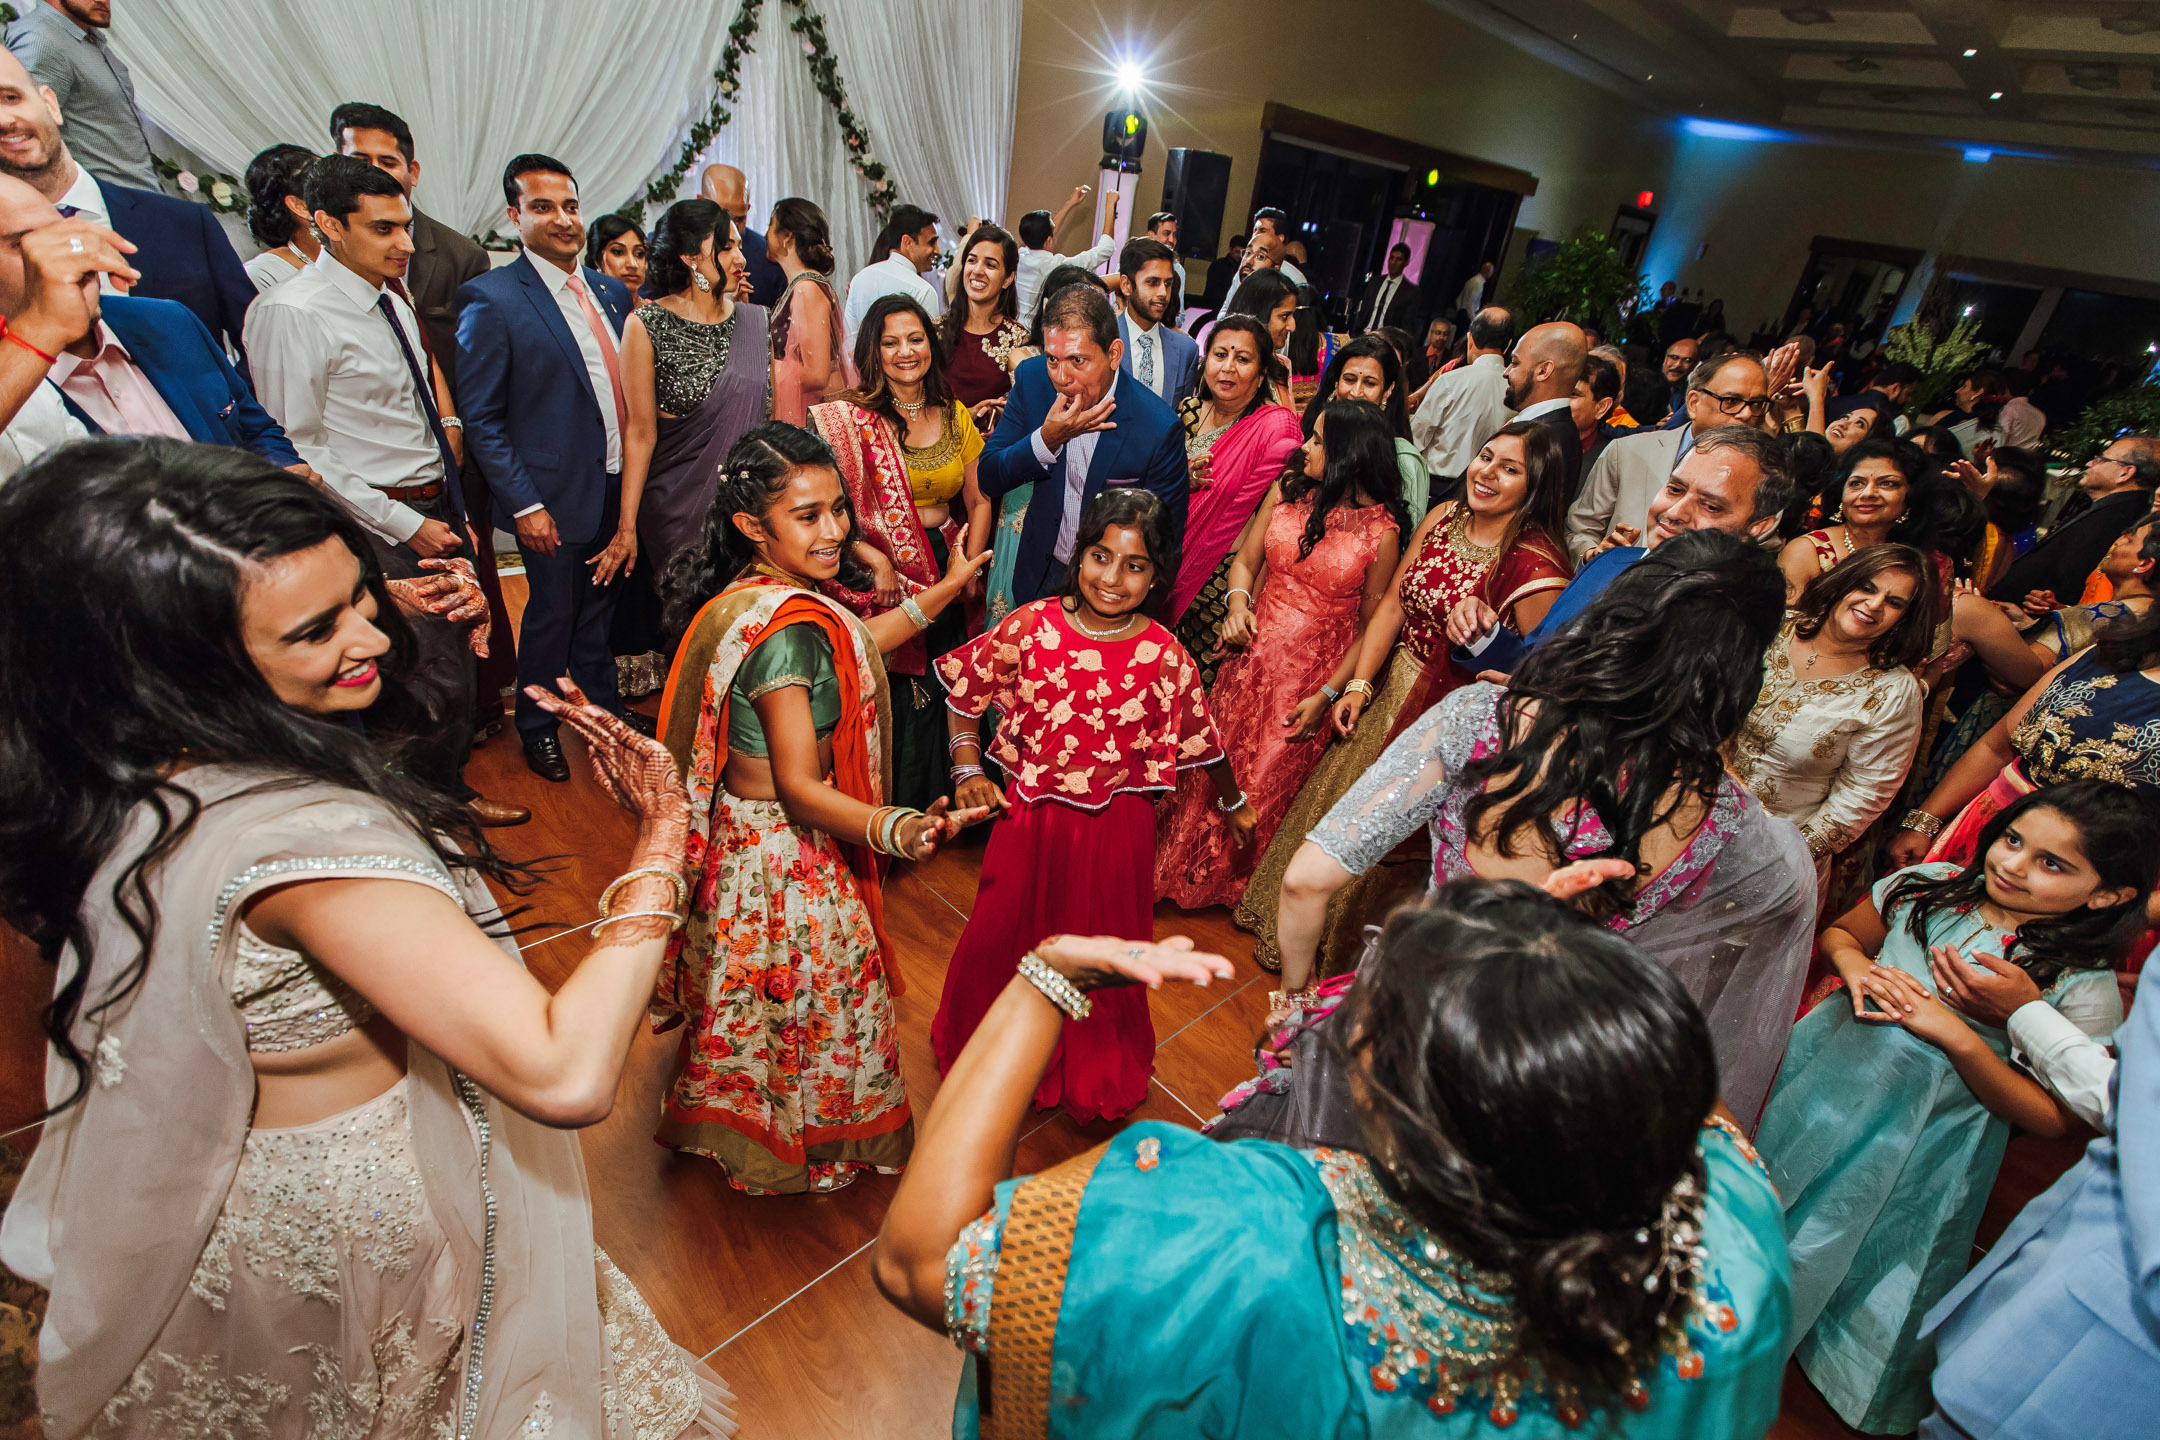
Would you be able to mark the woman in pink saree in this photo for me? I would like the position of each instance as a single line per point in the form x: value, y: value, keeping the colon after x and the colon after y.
x: 1237, y: 442
x: 308, y: 1167
x: 809, y: 347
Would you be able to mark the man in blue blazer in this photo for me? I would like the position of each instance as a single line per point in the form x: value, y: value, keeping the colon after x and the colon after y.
x: 1074, y: 425
x: 184, y: 365
x: 179, y: 247
x: 2055, y: 1335
x: 1157, y: 353
x: 539, y: 388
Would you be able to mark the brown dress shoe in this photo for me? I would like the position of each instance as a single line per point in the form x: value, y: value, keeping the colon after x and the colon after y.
x: 491, y: 815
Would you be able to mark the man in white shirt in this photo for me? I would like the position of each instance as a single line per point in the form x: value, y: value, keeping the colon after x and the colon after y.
x: 910, y: 240
x: 540, y: 382
x: 1472, y: 294
x: 1266, y: 250
x: 1162, y: 227
x: 1037, y: 259
x: 1465, y: 405
x: 1157, y: 353
x: 2073, y: 1066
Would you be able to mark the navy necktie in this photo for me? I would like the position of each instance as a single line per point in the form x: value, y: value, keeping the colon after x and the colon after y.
x: 68, y: 212
x: 420, y: 381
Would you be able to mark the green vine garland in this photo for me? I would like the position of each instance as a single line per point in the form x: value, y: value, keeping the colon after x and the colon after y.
x: 809, y: 27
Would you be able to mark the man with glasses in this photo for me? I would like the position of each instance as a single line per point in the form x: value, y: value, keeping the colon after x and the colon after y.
x: 2119, y: 482
x: 1615, y: 501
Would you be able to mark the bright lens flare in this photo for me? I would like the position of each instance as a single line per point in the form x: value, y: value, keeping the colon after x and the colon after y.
x: 1130, y: 76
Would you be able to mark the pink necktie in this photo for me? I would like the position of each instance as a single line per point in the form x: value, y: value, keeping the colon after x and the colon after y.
x: 607, y: 349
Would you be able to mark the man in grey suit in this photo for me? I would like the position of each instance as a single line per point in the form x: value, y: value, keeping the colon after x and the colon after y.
x: 443, y: 260
x: 1627, y: 476
x: 1157, y: 353
x: 2055, y: 1335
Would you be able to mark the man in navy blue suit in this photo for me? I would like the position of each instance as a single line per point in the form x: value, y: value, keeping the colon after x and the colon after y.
x: 1075, y: 424
x: 1157, y: 353
x: 179, y: 247
x: 540, y: 389
x: 151, y: 356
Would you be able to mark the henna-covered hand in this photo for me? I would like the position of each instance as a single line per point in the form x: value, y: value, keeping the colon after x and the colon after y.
x: 636, y: 771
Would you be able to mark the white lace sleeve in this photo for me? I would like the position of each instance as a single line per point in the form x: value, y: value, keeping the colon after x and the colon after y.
x: 1405, y: 786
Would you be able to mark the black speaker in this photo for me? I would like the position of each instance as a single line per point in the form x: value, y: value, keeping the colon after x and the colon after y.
x: 1196, y: 185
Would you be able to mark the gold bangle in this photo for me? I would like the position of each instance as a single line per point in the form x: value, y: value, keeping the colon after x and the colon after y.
x: 682, y: 888
x: 1920, y: 820
x: 675, y: 919
x: 1359, y: 687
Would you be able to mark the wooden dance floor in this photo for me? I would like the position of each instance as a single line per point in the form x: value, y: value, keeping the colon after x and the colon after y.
x: 776, y: 1291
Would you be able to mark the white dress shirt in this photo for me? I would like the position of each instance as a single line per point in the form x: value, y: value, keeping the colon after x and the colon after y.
x: 1460, y: 411
x: 42, y: 423
x: 557, y: 280
x: 894, y: 275
x: 270, y: 270
x: 1540, y: 407
x: 1382, y: 298
x: 1079, y: 455
x: 330, y: 373
x: 89, y: 204
x: 2069, y: 1062
x: 1472, y: 294
x: 1035, y: 267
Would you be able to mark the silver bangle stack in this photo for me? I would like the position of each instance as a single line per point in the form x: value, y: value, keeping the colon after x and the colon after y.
x: 1230, y: 806
x: 914, y: 613
x: 1058, y: 990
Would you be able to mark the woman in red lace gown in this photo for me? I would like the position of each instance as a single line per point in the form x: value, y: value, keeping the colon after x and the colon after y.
x: 1318, y: 553
x: 1497, y: 542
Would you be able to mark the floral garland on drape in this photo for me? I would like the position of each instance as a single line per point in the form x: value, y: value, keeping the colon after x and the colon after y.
x: 809, y: 26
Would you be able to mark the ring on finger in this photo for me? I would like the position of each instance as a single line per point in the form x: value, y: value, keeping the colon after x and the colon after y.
x: 75, y: 245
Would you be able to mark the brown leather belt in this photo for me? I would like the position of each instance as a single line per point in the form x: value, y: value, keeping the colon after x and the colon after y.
x: 414, y: 492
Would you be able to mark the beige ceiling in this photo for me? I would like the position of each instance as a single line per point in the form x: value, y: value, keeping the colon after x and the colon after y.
x: 2073, y: 76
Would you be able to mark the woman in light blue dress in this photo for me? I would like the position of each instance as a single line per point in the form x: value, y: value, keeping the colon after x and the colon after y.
x: 1542, y: 1226
x: 1890, y: 1116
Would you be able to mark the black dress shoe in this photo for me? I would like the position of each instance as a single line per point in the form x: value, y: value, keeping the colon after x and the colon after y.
x: 639, y: 721
x: 544, y: 757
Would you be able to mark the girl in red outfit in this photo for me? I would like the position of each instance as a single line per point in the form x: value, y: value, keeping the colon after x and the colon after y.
x: 1101, y: 708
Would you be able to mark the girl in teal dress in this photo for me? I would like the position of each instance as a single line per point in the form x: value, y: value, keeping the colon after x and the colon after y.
x: 1543, y: 1228
x: 1890, y: 1116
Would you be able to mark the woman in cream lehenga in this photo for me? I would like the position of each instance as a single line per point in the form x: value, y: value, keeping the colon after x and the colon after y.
x: 308, y: 1168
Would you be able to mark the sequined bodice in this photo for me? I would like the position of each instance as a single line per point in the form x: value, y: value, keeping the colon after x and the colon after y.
x: 1334, y: 574
x: 289, y: 1002
x: 687, y: 357
x: 1449, y: 567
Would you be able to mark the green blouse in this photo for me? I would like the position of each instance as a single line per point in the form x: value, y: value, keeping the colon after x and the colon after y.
x: 798, y: 655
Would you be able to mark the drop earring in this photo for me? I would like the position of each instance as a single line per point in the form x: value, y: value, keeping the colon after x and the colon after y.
x: 698, y: 278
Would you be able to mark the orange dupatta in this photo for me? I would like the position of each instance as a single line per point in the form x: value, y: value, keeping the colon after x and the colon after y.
x: 857, y: 773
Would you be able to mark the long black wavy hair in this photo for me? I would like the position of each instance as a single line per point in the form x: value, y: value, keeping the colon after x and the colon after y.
x: 755, y: 473
x: 1375, y: 348
x: 1360, y: 457
x: 122, y: 652
x: 1534, y: 1088
x: 2119, y: 831
x: 1634, y: 699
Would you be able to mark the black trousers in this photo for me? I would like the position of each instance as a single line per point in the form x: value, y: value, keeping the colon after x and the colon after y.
x: 567, y: 617
x: 446, y: 674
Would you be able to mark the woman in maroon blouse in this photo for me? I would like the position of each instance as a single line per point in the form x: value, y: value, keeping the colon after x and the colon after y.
x: 981, y: 329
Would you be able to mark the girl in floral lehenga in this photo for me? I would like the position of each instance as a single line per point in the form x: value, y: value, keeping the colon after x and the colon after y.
x: 1326, y: 541
x: 790, y: 1070
x: 1499, y: 542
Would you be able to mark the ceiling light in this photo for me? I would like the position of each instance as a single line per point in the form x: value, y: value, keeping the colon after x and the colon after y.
x: 1857, y: 64
x: 2129, y: 23
x: 1996, y: 96
x: 1970, y: 53
x: 1808, y: 15
x: 2092, y: 74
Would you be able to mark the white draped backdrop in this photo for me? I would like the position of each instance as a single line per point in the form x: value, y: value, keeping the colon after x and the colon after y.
x: 607, y: 86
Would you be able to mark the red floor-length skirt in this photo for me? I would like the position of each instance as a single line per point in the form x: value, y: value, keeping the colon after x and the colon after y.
x: 1051, y: 869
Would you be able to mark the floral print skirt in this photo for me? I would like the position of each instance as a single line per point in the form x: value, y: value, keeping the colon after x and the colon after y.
x: 789, y: 1070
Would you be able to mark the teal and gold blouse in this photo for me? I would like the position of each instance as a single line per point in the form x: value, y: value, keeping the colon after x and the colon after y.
x: 798, y: 655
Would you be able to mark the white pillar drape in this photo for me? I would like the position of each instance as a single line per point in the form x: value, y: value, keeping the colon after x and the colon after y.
x: 936, y: 84
x: 606, y: 86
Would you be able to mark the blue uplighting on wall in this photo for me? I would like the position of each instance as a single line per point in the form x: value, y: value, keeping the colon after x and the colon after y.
x: 1979, y: 154
x: 1728, y: 130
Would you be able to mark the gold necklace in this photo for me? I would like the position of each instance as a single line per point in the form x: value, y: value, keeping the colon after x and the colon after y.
x: 1465, y: 548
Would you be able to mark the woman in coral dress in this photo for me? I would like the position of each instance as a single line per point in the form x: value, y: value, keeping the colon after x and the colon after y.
x: 1319, y: 553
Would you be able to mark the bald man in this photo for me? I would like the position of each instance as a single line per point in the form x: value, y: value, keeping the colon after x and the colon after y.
x: 728, y: 188
x: 1541, y: 380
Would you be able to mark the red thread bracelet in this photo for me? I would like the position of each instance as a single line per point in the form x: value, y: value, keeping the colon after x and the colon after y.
x: 6, y: 333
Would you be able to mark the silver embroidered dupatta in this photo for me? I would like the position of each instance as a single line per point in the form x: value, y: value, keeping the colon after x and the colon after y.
x: 125, y: 1185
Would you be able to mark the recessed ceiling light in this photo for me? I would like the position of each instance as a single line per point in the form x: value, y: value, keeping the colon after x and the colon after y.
x: 1970, y: 53
x: 1808, y: 15
x: 1996, y: 96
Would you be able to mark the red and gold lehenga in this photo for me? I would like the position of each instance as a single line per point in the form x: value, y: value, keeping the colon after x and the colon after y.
x: 1448, y: 568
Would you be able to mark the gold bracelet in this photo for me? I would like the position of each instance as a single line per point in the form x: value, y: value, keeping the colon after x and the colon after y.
x: 682, y: 888
x: 1920, y: 820
x: 1359, y: 687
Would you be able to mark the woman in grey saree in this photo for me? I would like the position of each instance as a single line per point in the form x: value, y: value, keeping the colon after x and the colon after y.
x: 308, y: 1170
x: 1650, y: 679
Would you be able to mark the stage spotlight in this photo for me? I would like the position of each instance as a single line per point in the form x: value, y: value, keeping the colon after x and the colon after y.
x: 1130, y: 77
